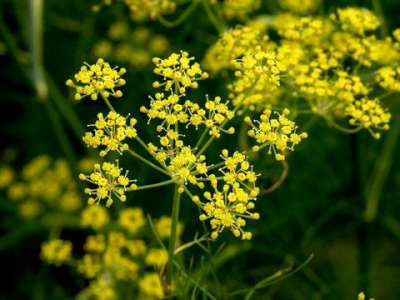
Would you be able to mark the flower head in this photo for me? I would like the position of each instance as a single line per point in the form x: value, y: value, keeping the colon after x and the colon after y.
x: 232, y: 201
x: 275, y: 131
x: 95, y: 217
x: 111, y: 132
x: 56, y: 252
x: 110, y: 183
x: 357, y: 20
x: 178, y: 72
x: 369, y: 114
x: 97, y: 79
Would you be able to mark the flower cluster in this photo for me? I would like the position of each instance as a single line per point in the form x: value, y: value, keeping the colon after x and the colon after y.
x: 257, y: 74
x: 133, y: 47
x: 144, y: 9
x: 43, y: 185
x: 110, y: 132
x: 56, y: 252
x: 239, y: 8
x: 110, y: 183
x: 97, y: 79
x: 228, y: 206
x: 369, y: 114
x: 95, y: 217
x: 389, y: 78
x: 233, y: 44
x: 120, y: 253
x: 275, y: 131
x: 299, y: 6
x: 356, y: 20
x: 178, y: 72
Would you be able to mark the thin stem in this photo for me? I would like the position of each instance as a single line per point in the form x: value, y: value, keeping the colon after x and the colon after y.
x: 109, y: 104
x: 63, y: 106
x: 380, y: 173
x: 181, y: 18
x: 341, y: 128
x: 376, y: 4
x: 280, y: 181
x: 36, y: 22
x: 218, y: 24
x: 149, y: 163
x: 154, y: 185
x: 173, y: 235
x: 203, y: 135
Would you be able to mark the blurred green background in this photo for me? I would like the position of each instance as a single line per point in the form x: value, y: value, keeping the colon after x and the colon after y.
x: 318, y: 210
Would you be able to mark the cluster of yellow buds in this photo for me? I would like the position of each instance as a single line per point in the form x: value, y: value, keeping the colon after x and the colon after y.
x: 43, y: 185
x: 275, y: 131
x: 132, y: 220
x: 97, y: 79
x: 299, y: 6
x: 239, y: 8
x: 215, y: 114
x: 111, y: 132
x: 356, y: 20
x: 229, y: 206
x: 257, y: 74
x: 369, y: 114
x: 180, y: 161
x: 295, y: 28
x: 163, y: 227
x: 142, y: 9
x: 389, y: 78
x: 95, y: 217
x: 110, y: 183
x: 178, y: 72
x: 348, y: 86
x: 56, y: 252
x: 231, y: 45
x: 135, y: 47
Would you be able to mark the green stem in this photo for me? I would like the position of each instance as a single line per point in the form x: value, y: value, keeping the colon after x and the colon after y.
x: 61, y: 134
x: 154, y: 185
x: 109, y: 105
x: 181, y: 18
x: 380, y: 173
x: 66, y: 111
x: 218, y: 24
x: 173, y: 235
x: 341, y: 128
x: 36, y: 26
x: 376, y: 4
x: 149, y: 163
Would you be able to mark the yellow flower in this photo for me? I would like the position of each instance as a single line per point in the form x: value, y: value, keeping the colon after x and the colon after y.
x: 179, y: 72
x: 95, y: 217
x: 257, y: 74
x: 6, y: 176
x: 157, y: 257
x: 131, y: 219
x: 150, y: 285
x: 369, y: 114
x: 231, y: 45
x: 228, y: 206
x: 299, y: 6
x: 276, y: 132
x: 357, y: 20
x: 111, y: 132
x: 239, y: 8
x: 163, y: 227
x: 389, y: 78
x: 56, y: 252
x: 98, y: 79
x: 110, y: 183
